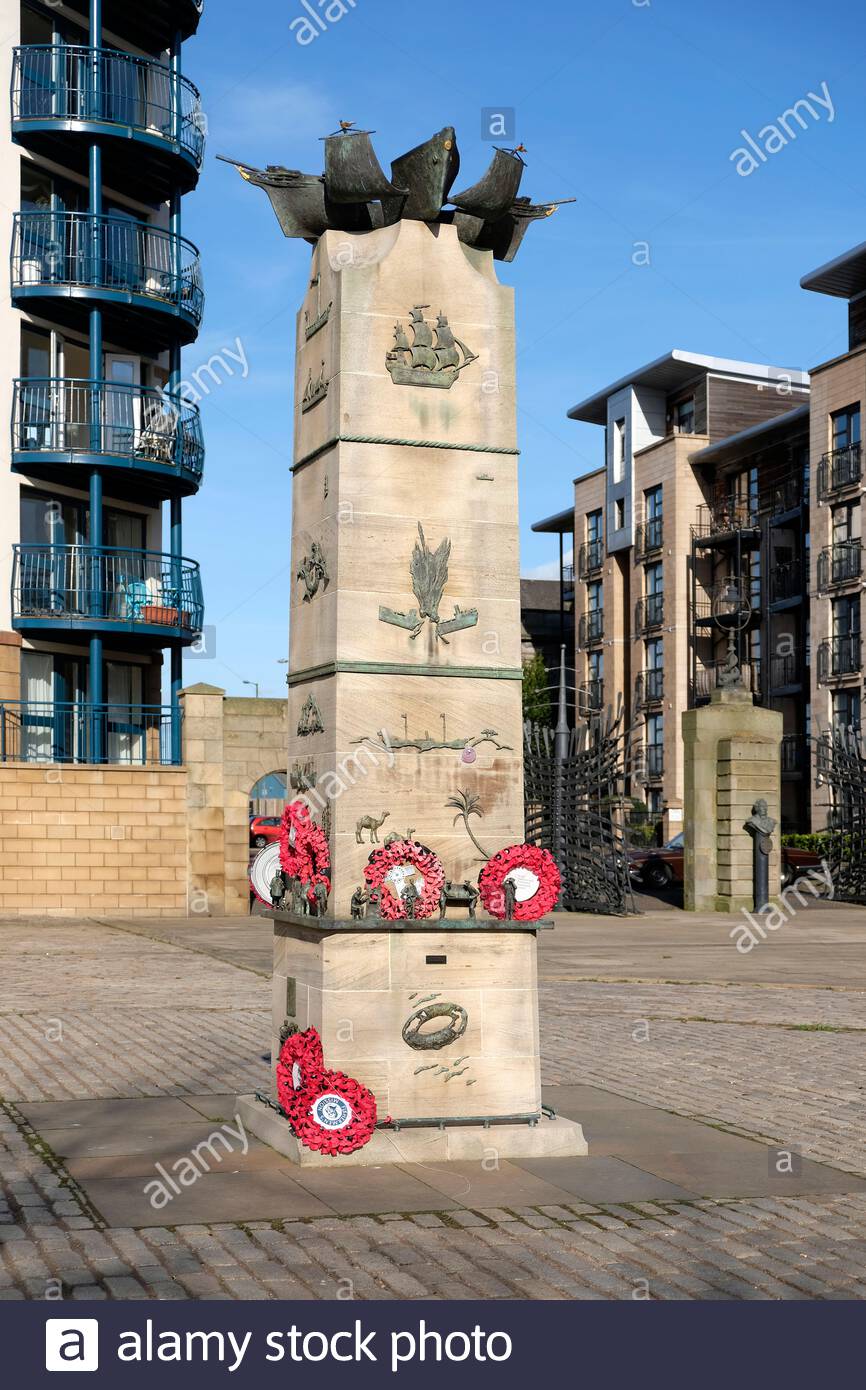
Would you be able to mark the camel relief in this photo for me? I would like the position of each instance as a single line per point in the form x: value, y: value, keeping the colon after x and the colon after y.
x: 372, y: 824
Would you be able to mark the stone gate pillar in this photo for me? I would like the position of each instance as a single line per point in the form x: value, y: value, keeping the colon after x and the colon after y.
x: 732, y: 759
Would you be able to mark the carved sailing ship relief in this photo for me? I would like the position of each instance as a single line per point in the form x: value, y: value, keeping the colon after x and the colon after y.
x: 433, y: 358
x: 315, y: 390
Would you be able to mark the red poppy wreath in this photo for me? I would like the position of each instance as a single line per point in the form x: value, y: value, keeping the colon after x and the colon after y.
x: 393, y: 868
x: 327, y: 1110
x: 535, y: 877
x: 304, y: 852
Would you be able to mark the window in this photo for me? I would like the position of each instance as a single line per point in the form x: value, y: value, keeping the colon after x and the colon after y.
x: 684, y: 416
x: 846, y: 709
x: 846, y: 616
x: 653, y: 503
x: 593, y: 526
x: 655, y: 659
x: 596, y: 666
x: 654, y: 801
x: 845, y: 425
x: 846, y: 523
x: 593, y: 596
x: 618, y: 450
x: 655, y: 578
x: 619, y: 514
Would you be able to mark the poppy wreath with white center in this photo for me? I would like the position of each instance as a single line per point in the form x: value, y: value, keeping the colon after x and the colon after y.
x: 300, y: 1066
x: 383, y: 861
x: 304, y: 852
x: 540, y: 863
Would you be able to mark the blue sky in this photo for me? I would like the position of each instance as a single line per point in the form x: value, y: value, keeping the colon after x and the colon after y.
x: 634, y: 109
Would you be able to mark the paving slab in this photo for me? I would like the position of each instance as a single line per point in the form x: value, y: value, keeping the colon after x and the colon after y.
x: 95, y: 1114
x: 605, y: 1179
x: 751, y: 1173
x: 367, y: 1191
x: 509, y: 1184
x: 164, y: 1142
x: 214, y: 1198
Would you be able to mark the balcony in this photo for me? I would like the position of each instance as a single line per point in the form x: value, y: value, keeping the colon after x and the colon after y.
x: 786, y: 674
x: 787, y: 584
x: 838, y: 470
x: 726, y: 522
x: 151, y: 27
x: 590, y: 558
x: 707, y: 679
x: 649, y: 612
x: 794, y: 755
x: 590, y: 628
x: 590, y: 697
x: 840, y: 564
x: 783, y: 497
x: 839, y: 657
x: 61, y: 426
x: 146, y: 281
x: 648, y: 538
x: 65, y: 590
x: 649, y: 687
x: 66, y: 97
x: 654, y: 762
x: 54, y: 732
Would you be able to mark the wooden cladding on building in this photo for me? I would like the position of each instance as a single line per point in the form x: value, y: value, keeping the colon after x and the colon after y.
x: 736, y: 405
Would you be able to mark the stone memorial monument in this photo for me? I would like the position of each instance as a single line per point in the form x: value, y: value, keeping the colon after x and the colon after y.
x: 405, y: 664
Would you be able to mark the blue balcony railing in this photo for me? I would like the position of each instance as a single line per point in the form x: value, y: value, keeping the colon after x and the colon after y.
x: 59, y: 252
x: 59, y: 420
x: 85, y: 586
x: 33, y: 731
x: 71, y: 86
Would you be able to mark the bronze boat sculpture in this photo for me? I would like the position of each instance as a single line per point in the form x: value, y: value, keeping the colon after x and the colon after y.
x: 354, y: 194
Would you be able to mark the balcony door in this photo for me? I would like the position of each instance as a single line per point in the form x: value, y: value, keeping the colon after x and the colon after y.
x: 122, y: 405
x: 126, y: 725
x: 54, y: 712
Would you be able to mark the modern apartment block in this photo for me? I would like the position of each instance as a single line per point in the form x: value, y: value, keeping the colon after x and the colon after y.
x: 658, y: 544
x: 104, y: 137
x: 835, y: 444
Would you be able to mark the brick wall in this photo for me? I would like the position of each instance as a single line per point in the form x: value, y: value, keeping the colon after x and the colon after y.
x: 90, y: 841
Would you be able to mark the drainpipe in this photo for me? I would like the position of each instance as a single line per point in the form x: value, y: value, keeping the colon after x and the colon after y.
x: 95, y: 531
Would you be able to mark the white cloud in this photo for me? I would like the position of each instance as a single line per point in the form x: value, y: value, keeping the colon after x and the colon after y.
x: 551, y: 569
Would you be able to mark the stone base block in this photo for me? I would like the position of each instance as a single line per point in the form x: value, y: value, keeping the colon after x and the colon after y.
x: 559, y: 1138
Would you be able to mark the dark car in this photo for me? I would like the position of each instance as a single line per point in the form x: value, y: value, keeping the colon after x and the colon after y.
x: 659, y: 868
x: 263, y: 830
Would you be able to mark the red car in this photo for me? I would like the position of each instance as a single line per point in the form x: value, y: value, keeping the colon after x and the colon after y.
x: 659, y: 868
x: 263, y: 830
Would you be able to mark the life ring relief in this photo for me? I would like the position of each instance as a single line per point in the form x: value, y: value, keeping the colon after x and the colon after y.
x: 458, y: 1021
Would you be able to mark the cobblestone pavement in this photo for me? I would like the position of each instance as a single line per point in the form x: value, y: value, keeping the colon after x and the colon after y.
x: 89, y: 1011
x: 756, y: 1060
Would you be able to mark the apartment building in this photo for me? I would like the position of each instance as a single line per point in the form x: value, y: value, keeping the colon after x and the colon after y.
x: 641, y: 521
x: 104, y: 137
x: 835, y: 445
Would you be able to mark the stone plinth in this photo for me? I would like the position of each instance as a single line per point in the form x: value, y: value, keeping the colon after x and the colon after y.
x: 732, y: 759
x: 362, y: 985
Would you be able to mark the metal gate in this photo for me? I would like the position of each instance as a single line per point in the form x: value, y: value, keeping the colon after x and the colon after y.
x: 840, y: 765
x: 574, y: 797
